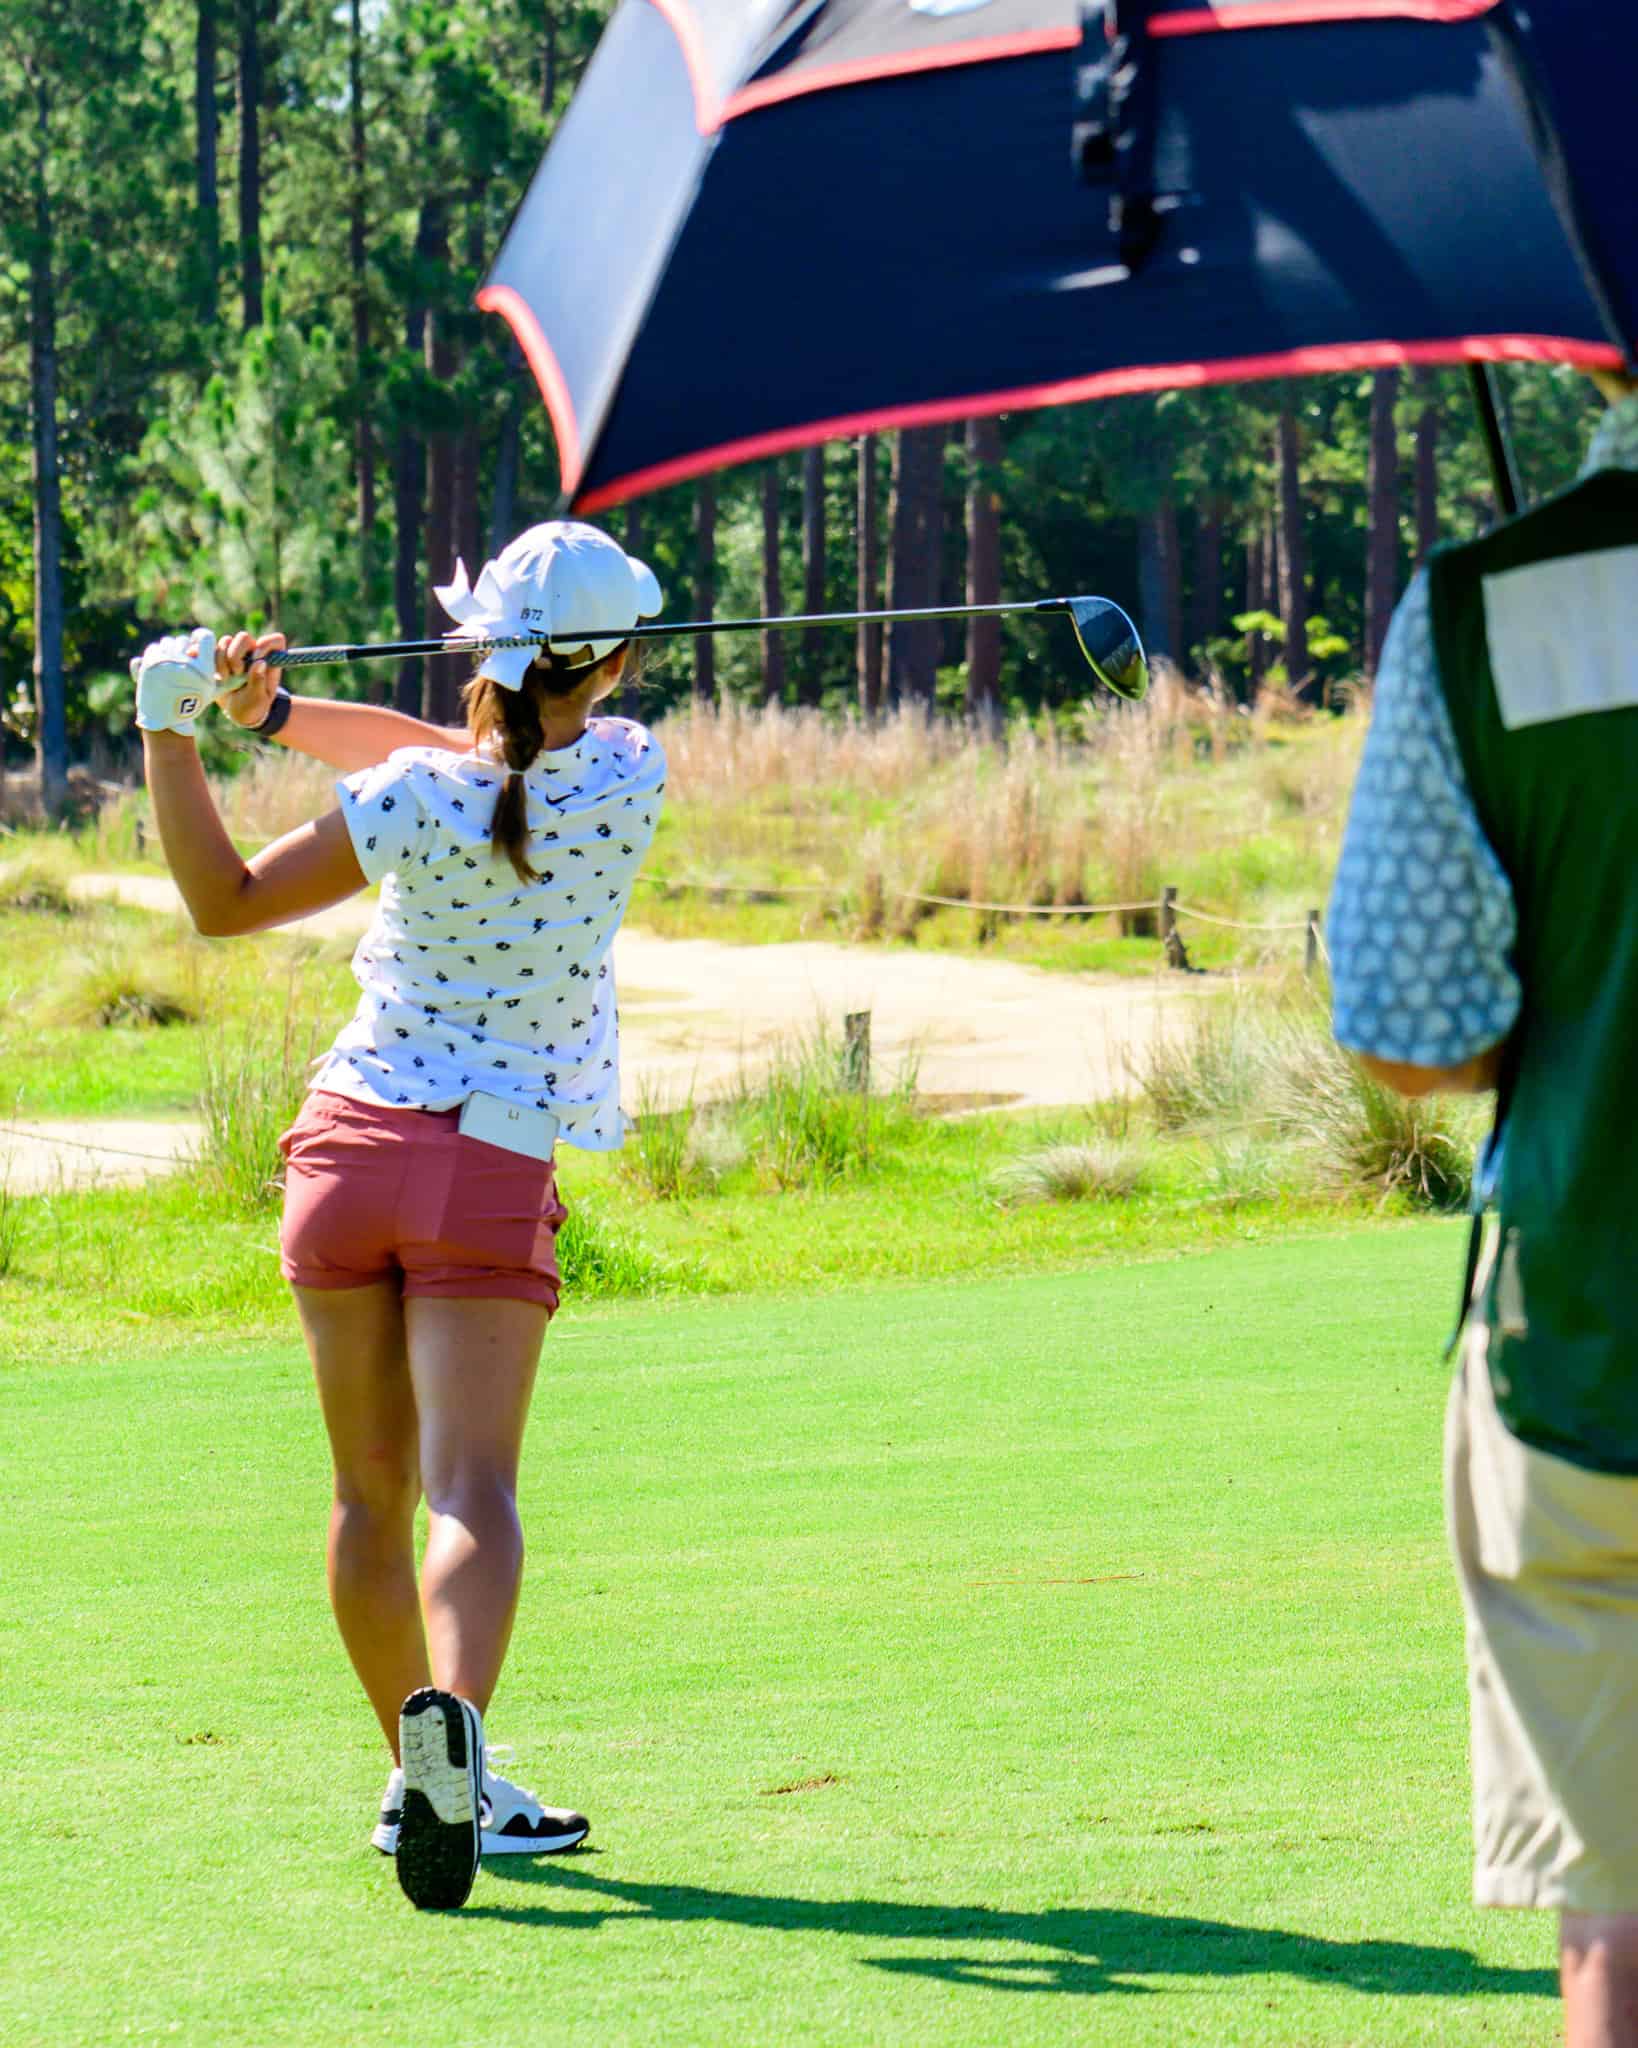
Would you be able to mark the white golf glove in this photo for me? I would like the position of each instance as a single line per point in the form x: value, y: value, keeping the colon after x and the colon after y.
x: 176, y: 679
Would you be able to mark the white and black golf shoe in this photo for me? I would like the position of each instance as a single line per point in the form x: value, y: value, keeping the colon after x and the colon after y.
x: 516, y: 1824
x: 384, y: 1835
x: 440, y: 1739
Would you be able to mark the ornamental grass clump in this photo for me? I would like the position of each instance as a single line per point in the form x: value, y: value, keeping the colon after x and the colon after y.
x: 809, y: 1119
x: 655, y: 1156
x: 34, y: 884
x: 122, y: 984
x: 1364, y: 1136
x: 1092, y: 1170
x: 256, y: 1075
x: 1211, y: 1075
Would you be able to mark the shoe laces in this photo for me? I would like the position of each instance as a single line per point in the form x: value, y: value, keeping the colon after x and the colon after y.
x: 504, y: 1753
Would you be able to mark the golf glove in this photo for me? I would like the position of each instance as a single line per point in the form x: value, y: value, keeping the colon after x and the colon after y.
x: 176, y: 679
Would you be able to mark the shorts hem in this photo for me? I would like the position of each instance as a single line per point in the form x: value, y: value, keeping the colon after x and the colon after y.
x: 335, y: 1283
x: 484, y: 1287
x: 1524, y: 1890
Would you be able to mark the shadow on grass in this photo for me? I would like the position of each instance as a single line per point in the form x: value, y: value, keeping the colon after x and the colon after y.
x: 1095, y: 1949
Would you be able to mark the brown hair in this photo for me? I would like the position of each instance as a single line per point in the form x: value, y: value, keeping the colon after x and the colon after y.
x: 510, y: 722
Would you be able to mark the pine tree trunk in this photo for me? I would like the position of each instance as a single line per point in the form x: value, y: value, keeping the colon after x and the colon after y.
x: 357, y: 254
x: 705, y: 587
x: 1160, y: 592
x: 503, y: 501
x: 983, y: 570
x: 468, y: 438
x: 1171, y: 572
x: 250, y: 161
x: 50, y: 704
x: 1382, y: 517
x: 439, y: 685
x: 1206, y: 606
x: 1427, y: 465
x: 867, y: 639
x: 1293, y: 549
x: 1256, y: 601
x: 630, y: 689
x: 548, y: 56
x: 913, y: 563
x: 409, y: 483
x: 207, y: 199
x: 773, y: 643
x: 810, y: 668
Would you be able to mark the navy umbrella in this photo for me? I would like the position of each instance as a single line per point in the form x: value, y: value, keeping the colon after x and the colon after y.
x: 769, y: 222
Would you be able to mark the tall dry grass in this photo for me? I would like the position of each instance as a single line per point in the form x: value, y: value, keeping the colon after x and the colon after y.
x: 1241, y: 809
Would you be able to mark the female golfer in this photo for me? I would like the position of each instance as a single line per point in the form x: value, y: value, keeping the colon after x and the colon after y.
x: 420, y: 1203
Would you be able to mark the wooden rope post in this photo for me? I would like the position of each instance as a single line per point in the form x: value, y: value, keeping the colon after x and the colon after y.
x: 856, y: 1050
x: 1177, y: 954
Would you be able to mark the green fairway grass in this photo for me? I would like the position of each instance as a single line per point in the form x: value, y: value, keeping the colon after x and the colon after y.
x: 1033, y: 1659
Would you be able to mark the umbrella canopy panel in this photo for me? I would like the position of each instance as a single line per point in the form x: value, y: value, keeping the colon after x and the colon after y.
x: 758, y: 229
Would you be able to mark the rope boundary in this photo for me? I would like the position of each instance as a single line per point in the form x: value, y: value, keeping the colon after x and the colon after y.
x: 774, y: 890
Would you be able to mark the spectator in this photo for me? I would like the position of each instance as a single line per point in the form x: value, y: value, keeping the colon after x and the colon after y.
x: 1484, y: 934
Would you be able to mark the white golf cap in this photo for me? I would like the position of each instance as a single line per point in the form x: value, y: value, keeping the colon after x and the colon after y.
x: 566, y: 581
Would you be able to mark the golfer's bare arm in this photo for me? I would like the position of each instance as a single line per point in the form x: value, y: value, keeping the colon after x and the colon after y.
x: 347, y: 736
x: 1472, y: 1077
x: 306, y: 870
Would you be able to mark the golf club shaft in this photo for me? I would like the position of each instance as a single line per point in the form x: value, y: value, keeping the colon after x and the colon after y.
x: 321, y: 657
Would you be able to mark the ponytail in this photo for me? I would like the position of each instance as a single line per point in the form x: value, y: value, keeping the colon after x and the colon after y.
x: 511, y: 721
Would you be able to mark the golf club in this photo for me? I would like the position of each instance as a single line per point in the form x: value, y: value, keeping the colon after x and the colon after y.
x: 1105, y: 635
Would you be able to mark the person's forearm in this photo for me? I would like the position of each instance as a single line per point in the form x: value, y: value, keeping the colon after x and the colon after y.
x: 1473, y: 1077
x: 201, y: 857
x: 353, y: 736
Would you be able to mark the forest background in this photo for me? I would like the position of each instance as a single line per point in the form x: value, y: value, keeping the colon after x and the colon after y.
x: 242, y: 382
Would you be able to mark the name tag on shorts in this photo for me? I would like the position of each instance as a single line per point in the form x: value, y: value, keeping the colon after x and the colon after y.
x: 492, y: 1120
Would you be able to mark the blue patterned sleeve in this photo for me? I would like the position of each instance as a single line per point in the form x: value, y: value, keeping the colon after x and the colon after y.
x: 1421, y: 926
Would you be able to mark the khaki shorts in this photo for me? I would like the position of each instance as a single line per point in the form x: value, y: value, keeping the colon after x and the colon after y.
x: 1547, y: 1556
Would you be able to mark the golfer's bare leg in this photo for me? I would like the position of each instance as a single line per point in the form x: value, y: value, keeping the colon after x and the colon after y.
x: 1598, y: 1970
x: 473, y: 1368
x: 356, y: 1337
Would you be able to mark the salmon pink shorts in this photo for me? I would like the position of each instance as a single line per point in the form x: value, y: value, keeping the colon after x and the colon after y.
x: 372, y: 1194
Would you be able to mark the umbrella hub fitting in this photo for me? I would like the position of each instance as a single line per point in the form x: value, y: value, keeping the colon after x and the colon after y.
x: 1112, y: 140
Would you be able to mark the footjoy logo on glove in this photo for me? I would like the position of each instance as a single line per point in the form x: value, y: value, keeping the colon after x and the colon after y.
x: 187, y: 707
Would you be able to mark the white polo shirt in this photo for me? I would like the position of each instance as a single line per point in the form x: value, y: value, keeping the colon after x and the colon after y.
x: 471, y: 979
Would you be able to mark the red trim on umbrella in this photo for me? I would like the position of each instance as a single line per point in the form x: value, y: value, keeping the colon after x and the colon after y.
x: 711, y: 112
x: 766, y: 92
x: 519, y: 316
x: 1298, y: 362
x: 1196, y: 21
x: 707, y: 106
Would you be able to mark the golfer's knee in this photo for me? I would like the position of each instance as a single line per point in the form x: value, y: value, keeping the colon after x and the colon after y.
x: 377, y: 1491
x: 475, y: 1492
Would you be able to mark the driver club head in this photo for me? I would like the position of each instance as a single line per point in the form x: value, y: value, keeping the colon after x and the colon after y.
x: 1111, y: 645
